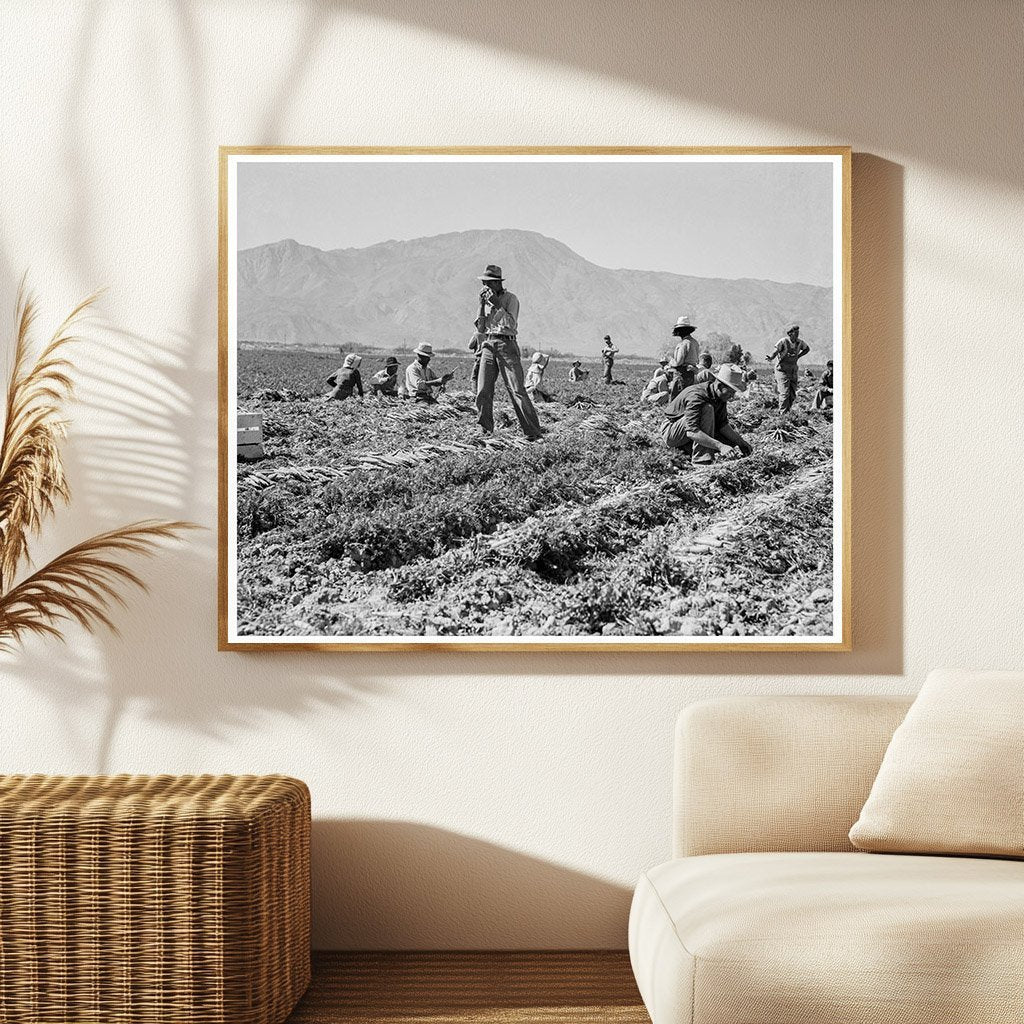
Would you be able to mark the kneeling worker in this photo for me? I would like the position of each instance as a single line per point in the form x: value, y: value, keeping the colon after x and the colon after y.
x: 697, y: 420
x: 420, y: 379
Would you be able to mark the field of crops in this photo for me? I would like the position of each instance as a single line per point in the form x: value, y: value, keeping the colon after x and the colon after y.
x: 388, y: 518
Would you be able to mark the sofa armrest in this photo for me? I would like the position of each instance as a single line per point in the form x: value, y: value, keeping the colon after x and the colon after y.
x: 760, y: 774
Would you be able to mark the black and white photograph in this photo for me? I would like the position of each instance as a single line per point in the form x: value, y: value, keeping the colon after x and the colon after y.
x: 546, y: 398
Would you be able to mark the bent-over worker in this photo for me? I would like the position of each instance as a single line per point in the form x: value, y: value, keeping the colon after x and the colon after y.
x: 697, y: 419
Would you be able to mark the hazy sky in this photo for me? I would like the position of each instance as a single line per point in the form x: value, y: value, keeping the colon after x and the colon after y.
x: 762, y: 220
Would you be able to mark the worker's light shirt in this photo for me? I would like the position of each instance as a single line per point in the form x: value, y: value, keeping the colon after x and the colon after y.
x: 502, y: 315
x: 789, y: 351
x: 416, y: 377
x: 686, y: 353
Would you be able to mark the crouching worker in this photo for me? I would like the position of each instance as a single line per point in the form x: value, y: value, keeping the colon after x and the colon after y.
x: 656, y: 391
x: 823, y: 396
x: 420, y: 380
x: 385, y: 382
x: 697, y: 419
x: 346, y: 379
x: 535, y: 378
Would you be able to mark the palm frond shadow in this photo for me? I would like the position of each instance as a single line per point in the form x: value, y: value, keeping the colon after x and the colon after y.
x: 122, y: 459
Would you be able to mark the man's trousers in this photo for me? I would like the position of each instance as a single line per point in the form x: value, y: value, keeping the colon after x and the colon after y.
x: 502, y: 354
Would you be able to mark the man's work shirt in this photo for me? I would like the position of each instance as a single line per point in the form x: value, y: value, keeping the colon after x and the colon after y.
x: 501, y: 315
x: 789, y: 351
x: 416, y: 377
x: 686, y: 353
x: 704, y: 375
x: 691, y: 402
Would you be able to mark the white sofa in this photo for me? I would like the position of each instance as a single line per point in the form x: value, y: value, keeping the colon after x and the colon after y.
x: 768, y: 915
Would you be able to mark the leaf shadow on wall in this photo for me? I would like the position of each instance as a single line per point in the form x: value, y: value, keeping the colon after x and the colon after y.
x: 145, y: 445
x: 924, y: 80
x: 406, y: 885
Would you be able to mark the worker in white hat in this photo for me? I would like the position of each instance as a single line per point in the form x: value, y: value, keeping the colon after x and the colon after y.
x: 789, y: 350
x: 498, y: 322
x: 697, y: 419
x: 535, y: 378
x: 684, y: 356
x: 346, y: 379
x: 420, y: 380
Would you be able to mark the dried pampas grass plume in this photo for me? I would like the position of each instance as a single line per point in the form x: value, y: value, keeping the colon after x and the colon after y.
x: 82, y: 584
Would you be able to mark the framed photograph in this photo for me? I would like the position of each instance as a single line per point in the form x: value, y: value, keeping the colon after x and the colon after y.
x: 552, y: 398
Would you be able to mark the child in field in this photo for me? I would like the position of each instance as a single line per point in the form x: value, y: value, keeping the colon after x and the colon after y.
x: 705, y: 373
x: 577, y: 373
x: 346, y: 379
x: 657, y: 388
x: 535, y: 378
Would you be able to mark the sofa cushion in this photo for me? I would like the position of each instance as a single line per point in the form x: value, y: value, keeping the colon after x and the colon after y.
x: 790, y: 938
x: 950, y: 781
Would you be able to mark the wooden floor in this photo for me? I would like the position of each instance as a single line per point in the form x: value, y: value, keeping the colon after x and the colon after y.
x: 465, y: 988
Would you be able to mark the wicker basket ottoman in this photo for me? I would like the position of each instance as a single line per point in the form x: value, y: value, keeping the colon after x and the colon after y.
x: 144, y: 899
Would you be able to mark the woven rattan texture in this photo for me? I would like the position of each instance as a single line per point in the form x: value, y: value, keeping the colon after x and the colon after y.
x: 144, y: 899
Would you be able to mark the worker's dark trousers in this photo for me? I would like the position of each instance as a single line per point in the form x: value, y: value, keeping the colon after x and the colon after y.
x: 785, y: 383
x: 607, y: 373
x: 675, y: 436
x: 502, y: 353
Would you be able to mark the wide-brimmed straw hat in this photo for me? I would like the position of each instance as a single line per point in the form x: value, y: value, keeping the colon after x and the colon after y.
x: 538, y: 357
x: 684, y: 321
x: 663, y: 361
x: 424, y: 348
x: 492, y: 273
x: 352, y: 361
x: 391, y: 361
x: 791, y: 326
x: 577, y: 363
x: 732, y: 376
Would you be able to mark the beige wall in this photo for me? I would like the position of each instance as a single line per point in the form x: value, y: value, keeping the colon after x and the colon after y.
x: 488, y: 800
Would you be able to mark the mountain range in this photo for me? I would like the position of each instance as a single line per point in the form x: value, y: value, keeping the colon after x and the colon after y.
x: 396, y: 294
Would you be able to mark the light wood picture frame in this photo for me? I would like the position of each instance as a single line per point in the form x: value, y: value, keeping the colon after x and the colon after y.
x: 385, y: 522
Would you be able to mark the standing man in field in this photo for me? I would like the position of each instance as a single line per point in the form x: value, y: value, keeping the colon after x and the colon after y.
x: 697, y: 419
x: 420, y: 379
x: 608, y: 357
x: 498, y: 322
x: 789, y: 350
x: 684, y: 356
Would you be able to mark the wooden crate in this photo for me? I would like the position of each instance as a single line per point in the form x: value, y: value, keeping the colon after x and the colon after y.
x: 250, y: 435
